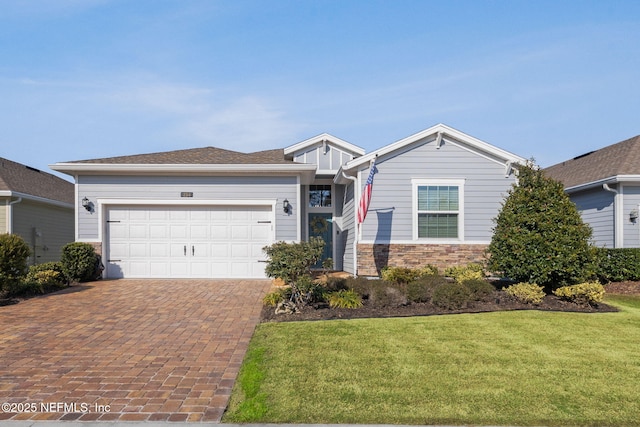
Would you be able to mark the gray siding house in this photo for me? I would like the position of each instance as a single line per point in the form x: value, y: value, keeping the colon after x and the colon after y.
x: 38, y: 207
x: 605, y: 186
x: 208, y: 212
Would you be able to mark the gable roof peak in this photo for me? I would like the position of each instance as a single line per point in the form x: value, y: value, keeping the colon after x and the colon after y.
x: 324, y: 137
x: 438, y: 132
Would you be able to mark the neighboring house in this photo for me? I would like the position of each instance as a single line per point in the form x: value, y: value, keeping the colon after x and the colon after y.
x: 208, y: 212
x: 37, y: 206
x: 605, y: 186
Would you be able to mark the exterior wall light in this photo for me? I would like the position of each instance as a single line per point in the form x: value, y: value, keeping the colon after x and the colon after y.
x: 286, y: 206
x: 633, y: 215
x: 86, y: 204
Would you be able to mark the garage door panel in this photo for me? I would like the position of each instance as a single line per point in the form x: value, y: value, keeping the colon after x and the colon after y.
x: 159, y: 250
x: 260, y: 232
x: 257, y: 251
x: 139, y: 268
x: 219, y: 232
x: 139, y: 231
x: 138, y: 250
x: 239, y: 232
x: 119, y: 231
x: 158, y: 231
x: 178, y: 215
x: 214, y: 241
x: 178, y: 231
x: 159, y: 269
x: 199, y: 232
x: 240, y: 250
x: 220, y: 250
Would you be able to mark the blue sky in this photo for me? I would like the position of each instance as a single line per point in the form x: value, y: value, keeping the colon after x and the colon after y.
x: 83, y: 79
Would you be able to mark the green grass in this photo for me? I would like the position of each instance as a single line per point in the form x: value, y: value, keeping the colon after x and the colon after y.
x: 504, y: 368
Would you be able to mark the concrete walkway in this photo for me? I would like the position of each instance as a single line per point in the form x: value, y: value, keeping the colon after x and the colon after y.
x: 127, y: 350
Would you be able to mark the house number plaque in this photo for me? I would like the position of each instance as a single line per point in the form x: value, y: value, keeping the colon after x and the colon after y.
x: 186, y: 194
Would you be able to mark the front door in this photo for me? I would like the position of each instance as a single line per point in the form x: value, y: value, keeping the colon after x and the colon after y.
x: 321, y: 225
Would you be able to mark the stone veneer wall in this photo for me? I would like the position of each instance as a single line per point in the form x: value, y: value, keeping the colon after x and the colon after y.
x: 97, y: 246
x: 373, y: 257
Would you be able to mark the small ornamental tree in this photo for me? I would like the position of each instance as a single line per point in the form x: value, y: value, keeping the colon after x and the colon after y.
x: 539, y: 235
x: 292, y: 263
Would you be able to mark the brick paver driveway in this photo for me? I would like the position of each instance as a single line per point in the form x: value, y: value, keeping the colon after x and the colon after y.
x: 127, y: 350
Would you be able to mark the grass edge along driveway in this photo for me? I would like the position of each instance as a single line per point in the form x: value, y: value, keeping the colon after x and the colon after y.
x: 503, y: 368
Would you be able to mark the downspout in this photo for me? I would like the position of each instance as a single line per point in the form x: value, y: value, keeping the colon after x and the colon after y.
x: 10, y: 215
x: 355, y: 238
x: 618, y: 236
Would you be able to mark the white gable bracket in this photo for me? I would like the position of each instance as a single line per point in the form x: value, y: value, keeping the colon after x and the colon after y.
x: 508, y: 168
x: 439, y: 139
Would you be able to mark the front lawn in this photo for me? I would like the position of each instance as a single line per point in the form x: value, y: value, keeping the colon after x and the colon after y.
x: 502, y: 368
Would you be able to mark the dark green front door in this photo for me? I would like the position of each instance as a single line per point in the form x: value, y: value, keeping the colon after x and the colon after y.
x: 321, y: 225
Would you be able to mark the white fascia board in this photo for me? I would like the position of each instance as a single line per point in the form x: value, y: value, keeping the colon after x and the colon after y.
x: 609, y: 180
x: 433, y: 131
x: 36, y: 199
x: 306, y: 171
x: 324, y: 137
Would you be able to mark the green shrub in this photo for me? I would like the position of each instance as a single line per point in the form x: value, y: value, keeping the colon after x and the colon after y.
x: 451, y: 296
x: 583, y: 293
x: 362, y: 285
x: 480, y: 289
x: 50, y: 275
x: 308, y: 290
x: 528, y: 293
x: 399, y: 274
x: 618, y: 265
x: 539, y: 235
x: 387, y: 294
x: 462, y: 273
x: 404, y: 275
x: 14, y: 253
x: 428, y: 270
x: 421, y: 290
x: 79, y: 261
x: 336, y: 284
x: 273, y: 298
x: 345, y: 299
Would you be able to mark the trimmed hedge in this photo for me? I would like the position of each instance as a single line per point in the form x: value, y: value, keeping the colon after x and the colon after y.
x: 617, y: 265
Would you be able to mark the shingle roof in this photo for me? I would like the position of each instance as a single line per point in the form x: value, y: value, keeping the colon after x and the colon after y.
x: 19, y: 178
x: 205, y: 155
x: 622, y: 158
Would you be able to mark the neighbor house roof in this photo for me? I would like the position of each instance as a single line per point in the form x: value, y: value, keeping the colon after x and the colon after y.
x: 20, y: 180
x: 617, y: 160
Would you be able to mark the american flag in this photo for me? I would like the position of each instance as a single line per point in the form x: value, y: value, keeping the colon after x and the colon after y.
x: 366, y: 194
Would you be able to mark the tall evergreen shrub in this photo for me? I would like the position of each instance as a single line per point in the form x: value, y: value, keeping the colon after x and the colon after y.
x: 539, y: 235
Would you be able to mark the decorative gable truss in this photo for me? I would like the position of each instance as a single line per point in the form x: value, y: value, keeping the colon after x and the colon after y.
x: 326, y: 151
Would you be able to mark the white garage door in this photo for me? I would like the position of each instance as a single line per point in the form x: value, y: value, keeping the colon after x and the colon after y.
x: 187, y: 242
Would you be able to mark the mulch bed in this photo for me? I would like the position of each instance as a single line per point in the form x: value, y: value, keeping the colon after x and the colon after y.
x: 499, y: 301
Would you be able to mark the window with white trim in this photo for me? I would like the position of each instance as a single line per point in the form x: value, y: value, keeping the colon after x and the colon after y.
x: 438, y: 209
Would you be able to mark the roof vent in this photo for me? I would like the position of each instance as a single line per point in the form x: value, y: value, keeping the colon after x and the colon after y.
x: 583, y: 155
x: 32, y: 169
